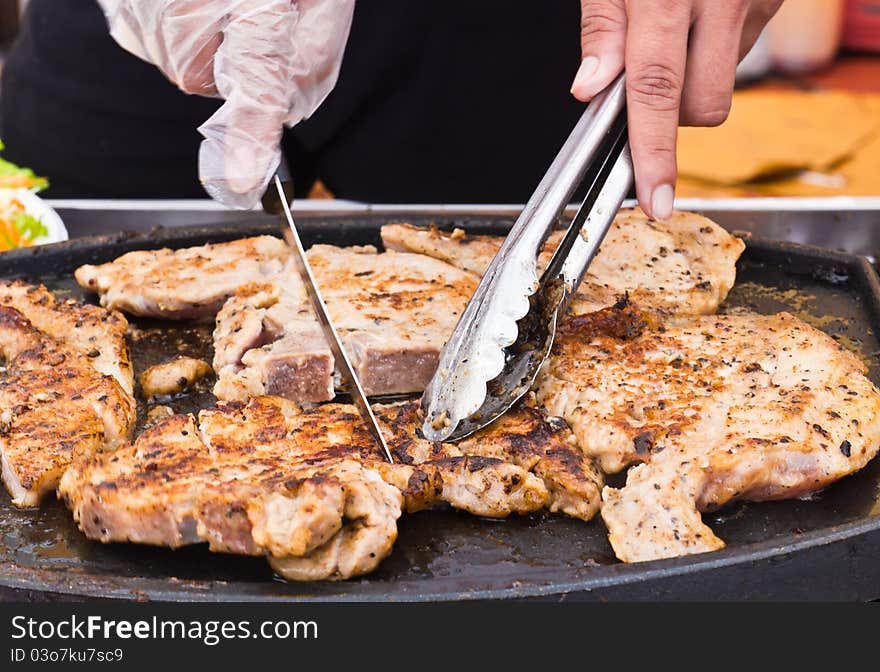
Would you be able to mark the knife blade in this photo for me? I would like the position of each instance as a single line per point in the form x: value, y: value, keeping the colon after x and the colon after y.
x: 343, y: 363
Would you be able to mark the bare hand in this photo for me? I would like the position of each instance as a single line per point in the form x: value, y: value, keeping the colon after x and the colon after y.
x: 680, y: 58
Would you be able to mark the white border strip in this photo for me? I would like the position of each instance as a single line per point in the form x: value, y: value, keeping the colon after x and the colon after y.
x: 837, y: 203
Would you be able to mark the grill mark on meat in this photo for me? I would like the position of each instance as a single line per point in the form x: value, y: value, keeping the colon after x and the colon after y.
x: 95, y: 332
x: 728, y: 430
x: 54, y: 405
x: 267, y: 340
x: 313, y: 492
x: 690, y: 270
x: 190, y: 283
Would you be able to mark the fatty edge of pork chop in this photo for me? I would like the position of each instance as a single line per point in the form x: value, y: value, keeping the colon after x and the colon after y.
x: 189, y: 283
x: 685, y: 265
x: 712, y: 410
x: 393, y: 312
x: 55, y: 406
x: 308, y: 488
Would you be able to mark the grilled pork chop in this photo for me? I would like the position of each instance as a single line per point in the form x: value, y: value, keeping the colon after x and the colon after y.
x: 55, y: 404
x: 715, y: 408
x: 526, y: 437
x: 684, y: 266
x: 309, y: 489
x: 183, y: 284
x: 393, y: 312
x: 98, y: 333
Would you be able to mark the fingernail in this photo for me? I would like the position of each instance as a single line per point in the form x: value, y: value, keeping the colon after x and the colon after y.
x: 585, y: 73
x: 661, y: 202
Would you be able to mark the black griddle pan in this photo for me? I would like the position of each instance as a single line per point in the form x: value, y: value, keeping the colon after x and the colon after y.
x: 827, y: 547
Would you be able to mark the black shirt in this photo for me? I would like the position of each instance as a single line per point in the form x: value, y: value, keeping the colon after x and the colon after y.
x: 453, y: 101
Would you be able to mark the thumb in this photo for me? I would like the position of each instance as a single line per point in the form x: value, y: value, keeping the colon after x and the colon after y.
x: 252, y: 71
x: 603, y: 41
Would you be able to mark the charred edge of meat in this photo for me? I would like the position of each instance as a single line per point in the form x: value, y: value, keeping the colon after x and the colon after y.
x: 13, y: 319
x: 471, y: 463
x: 623, y: 321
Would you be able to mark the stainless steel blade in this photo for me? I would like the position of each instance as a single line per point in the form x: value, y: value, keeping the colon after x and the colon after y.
x: 343, y: 363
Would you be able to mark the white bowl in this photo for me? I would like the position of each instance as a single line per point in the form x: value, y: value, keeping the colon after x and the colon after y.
x: 37, y: 207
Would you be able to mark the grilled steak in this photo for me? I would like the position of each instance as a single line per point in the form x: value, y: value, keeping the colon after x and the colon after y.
x: 715, y: 408
x: 183, y: 284
x: 393, y: 312
x: 55, y: 405
x: 173, y: 377
x: 683, y: 266
x: 97, y: 333
x: 309, y: 489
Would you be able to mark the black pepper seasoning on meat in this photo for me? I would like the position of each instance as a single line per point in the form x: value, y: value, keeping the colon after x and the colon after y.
x: 642, y: 443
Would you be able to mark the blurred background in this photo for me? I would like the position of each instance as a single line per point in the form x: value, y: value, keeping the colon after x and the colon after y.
x: 805, y: 119
x: 806, y: 115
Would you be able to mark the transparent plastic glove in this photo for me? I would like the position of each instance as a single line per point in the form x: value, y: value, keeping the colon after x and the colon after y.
x: 272, y: 61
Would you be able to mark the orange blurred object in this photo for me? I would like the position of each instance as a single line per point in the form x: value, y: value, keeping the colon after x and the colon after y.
x: 786, y: 143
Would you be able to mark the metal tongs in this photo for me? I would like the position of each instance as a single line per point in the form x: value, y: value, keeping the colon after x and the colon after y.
x: 506, y: 331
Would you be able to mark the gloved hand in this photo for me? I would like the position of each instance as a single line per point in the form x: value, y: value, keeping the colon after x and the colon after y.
x: 681, y: 58
x: 272, y: 61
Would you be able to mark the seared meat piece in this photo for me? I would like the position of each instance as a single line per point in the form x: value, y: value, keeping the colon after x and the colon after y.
x: 345, y: 540
x: 393, y: 312
x: 55, y: 405
x: 716, y: 408
x: 683, y: 266
x: 525, y: 437
x: 98, y: 333
x: 157, y: 414
x: 309, y: 489
x: 174, y: 376
x: 283, y: 353
x: 183, y: 284
x: 469, y: 252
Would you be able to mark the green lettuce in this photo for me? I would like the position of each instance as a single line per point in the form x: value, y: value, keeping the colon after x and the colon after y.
x: 13, y: 176
x: 29, y: 226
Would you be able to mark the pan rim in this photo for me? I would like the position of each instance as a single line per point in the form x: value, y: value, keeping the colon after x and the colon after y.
x: 154, y: 589
x: 61, y: 582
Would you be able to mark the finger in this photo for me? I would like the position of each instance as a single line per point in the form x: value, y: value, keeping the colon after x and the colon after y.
x: 253, y: 71
x: 758, y: 16
x: 603, y: 40
x: 713, y: 54
x: 180, y: 40
x: 191, y: 35
x: 656, y: 50
x: 195, y: 73
x: 321, y: 34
